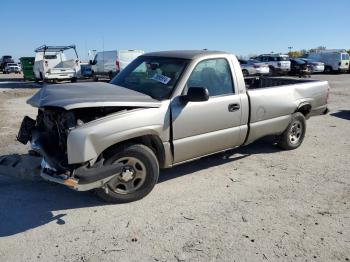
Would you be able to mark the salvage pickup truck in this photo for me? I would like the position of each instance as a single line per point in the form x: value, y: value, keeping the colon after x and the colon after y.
x: 163, y: 109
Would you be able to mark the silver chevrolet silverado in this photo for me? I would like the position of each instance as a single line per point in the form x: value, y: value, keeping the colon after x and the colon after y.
x: 164, y: 109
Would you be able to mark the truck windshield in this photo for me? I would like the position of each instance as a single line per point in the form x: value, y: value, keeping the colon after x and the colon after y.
x: 153, y: 76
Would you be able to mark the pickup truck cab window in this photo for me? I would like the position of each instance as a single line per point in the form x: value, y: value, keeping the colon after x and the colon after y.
x: 213, y: 74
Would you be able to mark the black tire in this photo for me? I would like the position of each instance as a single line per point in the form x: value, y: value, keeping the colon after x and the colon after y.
x: 95, y: 78
x: 245, y: 72
x: 115, y: 192
x: 42, y: 78
x: 294, y: 134
x: 73, y: 80
x: 328, y: 70
x: 110, y: 75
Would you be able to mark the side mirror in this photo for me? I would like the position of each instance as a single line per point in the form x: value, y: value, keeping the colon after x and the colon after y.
x: 197, y: 94
x: 92, y: 62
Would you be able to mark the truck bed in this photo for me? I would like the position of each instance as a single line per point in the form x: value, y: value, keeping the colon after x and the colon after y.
x: 265, y: 82
x: 273, y: 100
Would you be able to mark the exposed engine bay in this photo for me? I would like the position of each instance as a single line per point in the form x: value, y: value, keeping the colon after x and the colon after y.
x: 48, y: 133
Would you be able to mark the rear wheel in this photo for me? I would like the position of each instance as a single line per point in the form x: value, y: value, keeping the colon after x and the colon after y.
x: 294, y: 135
x: 110, y: 75
x: 138, y: 177
x: 73, y: 80
x: 328, y: 70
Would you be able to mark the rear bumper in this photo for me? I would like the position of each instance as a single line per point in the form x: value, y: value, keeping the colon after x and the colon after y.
x: 13, y: 70
x: 322, y: 110
x: 262, y: 71
x: 60, y: 76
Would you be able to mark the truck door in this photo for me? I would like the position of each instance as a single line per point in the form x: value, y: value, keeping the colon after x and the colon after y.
x: 201, y: 128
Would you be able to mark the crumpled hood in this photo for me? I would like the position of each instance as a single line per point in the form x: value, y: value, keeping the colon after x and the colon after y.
x: 80, y: 95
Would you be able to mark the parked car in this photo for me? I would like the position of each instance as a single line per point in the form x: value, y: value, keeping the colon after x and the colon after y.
x: 299, y: 67
x: 316, y: 67
x: 4, y: 60
x: 51, y: 64
x: 12, y: 68
x: 279, y: 64
x: 163, y: 109
x: 253, y: 67
x: 335, y: 60
x: 107, y: 64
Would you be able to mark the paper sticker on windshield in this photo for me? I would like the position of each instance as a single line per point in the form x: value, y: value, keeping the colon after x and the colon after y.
x: 160, y: 78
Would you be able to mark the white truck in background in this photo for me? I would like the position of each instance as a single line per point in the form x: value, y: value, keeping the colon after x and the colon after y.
x: 51, y: 64
x: 278, y: 63
x: 335, y: 60
x: 107, y: 64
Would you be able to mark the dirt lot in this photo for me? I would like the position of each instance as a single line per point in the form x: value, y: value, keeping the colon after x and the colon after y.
x: 251, y: 204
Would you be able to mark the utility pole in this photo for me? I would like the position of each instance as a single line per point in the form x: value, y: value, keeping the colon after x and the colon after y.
x: 290, y: 48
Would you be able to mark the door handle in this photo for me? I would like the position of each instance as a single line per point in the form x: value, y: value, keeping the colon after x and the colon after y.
x: 233, y: 107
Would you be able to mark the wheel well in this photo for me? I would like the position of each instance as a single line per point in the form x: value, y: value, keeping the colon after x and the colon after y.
x: 151, y: 141
x: 304, y: 109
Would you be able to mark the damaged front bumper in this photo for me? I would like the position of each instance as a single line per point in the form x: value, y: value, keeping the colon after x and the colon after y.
x: 80, y: 177
x: 83, y: 178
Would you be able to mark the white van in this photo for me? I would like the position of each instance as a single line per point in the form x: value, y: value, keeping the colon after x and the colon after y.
x: 107, y: 64
x: 51, y: 64
x: 334, y: 60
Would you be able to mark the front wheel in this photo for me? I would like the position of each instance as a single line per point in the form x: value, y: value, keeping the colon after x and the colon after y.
x: 294, y: 135
x: 138, y: 177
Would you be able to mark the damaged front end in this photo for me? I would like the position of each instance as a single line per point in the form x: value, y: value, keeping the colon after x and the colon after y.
x: 48, y: 136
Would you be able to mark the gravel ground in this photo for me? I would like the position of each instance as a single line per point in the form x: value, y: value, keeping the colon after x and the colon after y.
x: 250, y: 204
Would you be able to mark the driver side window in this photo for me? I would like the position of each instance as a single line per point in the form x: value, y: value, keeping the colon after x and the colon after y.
x: 213, y: 74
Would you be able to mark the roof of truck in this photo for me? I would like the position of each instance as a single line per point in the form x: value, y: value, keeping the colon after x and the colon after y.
x: 186, y: 54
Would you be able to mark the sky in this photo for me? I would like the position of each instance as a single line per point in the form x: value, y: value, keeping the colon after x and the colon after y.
x: 241, y: 27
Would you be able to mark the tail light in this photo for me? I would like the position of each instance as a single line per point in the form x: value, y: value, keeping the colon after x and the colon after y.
x: 117, y: 66
x: 46, y: 63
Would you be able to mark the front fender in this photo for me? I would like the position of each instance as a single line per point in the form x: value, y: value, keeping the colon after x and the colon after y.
x: 89, y: 141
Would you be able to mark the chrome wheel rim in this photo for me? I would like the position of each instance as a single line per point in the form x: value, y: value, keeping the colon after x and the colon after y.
x: 296, y: 131
x: 132, y: 177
